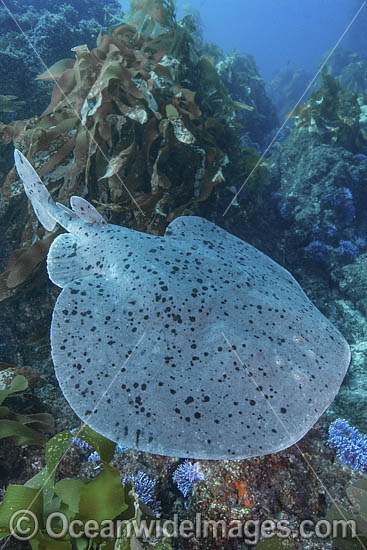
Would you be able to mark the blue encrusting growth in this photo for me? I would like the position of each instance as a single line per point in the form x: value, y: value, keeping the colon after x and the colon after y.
x: 186, y: 475
x: 144, y: 487
x: 349, y: 443
x: 194, y: 344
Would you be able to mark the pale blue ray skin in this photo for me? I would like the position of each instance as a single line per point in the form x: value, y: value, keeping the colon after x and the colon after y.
x: 194, y: 344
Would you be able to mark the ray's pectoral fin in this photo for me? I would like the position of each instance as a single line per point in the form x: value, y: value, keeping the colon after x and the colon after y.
x: 70, y: 259
x: 196, y: 228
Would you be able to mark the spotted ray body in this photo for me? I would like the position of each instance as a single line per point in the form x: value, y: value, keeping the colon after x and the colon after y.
x: 194, y: 344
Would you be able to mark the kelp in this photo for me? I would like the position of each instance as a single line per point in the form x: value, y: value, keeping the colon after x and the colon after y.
x: 10, y: 103
x: 8, y: 371
x: 334, y: 114
x: 15, y: 428
x: 121, y: 130
x: 217, y: 95
x: 126, y: 523
x: 22, y: 263
x: 128, y: 127
x: 151, y: 18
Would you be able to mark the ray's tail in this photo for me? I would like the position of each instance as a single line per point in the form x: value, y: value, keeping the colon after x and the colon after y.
x: 44, y: 206
x: 46, y: 209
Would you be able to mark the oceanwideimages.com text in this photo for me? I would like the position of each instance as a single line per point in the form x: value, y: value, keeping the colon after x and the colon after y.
x: 24, y: 526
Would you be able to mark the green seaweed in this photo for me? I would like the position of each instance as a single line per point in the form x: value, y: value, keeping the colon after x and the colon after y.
x: 275, y: 543
x: 102, y: 499
x: 355, y: 536
x: 20, y: 429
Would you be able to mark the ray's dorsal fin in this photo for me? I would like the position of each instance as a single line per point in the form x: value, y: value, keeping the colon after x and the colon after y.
x: 86, y: 211
x: 67, y: 210
x: 83, y: 210
x: 46, y: 209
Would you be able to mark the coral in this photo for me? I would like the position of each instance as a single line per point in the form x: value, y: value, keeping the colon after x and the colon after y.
x: 350, y: 444
x: 331, y: 230
x: 144, y: 488
x: 342, y: 201
x: 348, y: 249
x: 316, y: 251
x: 321, y: 230
x: 186, y: 475
x: 80, y: 443
x: 361, y: 242
x: 325, y: 185
x: 94, y: 457
x: 277, y: 485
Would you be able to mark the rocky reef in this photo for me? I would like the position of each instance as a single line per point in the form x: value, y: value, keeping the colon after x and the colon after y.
x: 318, y: 198
x: 287, y: 87
x: 34, y: 36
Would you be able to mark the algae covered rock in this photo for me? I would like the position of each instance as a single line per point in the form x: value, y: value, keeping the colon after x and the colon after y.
x: 51, y: 30
x: 241, y: 77
x: 352, y: 282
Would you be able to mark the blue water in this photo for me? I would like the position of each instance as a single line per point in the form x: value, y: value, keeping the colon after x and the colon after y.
x: 276, y: 32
